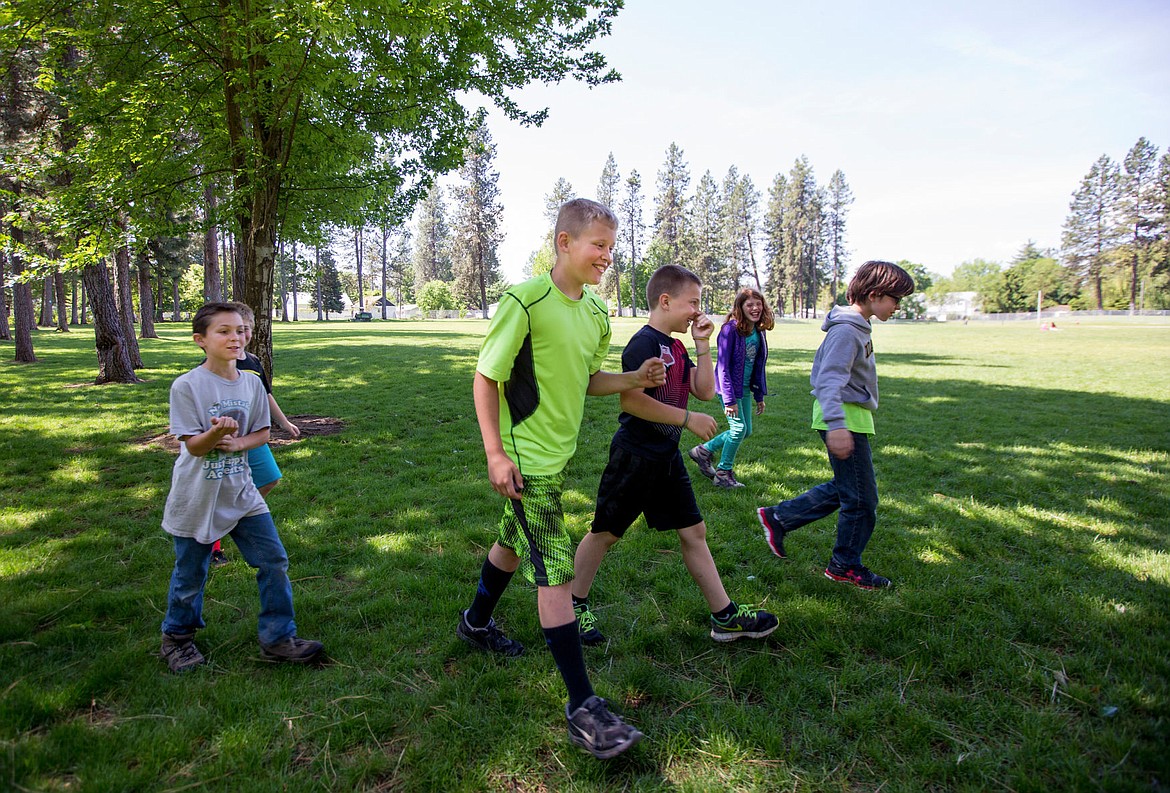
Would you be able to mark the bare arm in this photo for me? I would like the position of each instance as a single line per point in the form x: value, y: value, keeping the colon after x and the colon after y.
x: 650, y: 374
x: 502, y: 471
x: 223, y: 430
x: 703, y: 375
x: 640, y: 404
x: 281, y: 419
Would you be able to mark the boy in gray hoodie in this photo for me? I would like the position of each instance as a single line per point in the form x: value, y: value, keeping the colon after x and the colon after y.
x: 844, y: 383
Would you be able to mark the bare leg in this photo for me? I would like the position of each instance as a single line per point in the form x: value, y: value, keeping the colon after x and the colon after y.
x: 697, y: 557
x: 503, y: 558
x: 555, y: 605
x: 264, y: 491
x: 590, y: 552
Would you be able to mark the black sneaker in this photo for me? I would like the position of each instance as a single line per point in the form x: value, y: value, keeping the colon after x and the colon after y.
x: 292, y: 650
x: 598, y: 731
x: 703, y: 458
x: 218, y: 559
x: 745, y: 623
x: 488, y: 638
x: 773, y: 531
x: 587, y: 625
x: 180, y: 652
x: 858, y: 575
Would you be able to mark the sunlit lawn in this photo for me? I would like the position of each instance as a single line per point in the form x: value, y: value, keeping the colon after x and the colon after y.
x: 1025, y: 485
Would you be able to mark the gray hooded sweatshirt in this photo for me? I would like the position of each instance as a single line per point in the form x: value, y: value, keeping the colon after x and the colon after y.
x: 843, y: 369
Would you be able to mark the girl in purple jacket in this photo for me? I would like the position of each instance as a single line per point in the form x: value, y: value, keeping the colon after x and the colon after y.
x: 739, y: 376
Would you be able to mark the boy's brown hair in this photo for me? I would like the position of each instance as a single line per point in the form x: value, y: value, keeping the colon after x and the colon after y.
x: 668, y: 279
x: 202, y: 318
x: 577, y: 214
x: 742, y: 323
x: 879, y: 278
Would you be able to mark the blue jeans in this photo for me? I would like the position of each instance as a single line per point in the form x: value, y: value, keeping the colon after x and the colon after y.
x: 852, y: 493
x: 739, y: 428
x: 261, y: 548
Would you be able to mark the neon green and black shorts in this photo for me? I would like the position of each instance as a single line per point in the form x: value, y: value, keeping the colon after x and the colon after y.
x: 534, y: 528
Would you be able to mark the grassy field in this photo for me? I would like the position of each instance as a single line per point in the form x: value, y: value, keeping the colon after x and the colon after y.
x: 1025, y: 482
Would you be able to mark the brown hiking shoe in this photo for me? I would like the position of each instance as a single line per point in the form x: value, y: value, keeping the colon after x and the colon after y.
x: 293, y: 650
x: 180, y: 652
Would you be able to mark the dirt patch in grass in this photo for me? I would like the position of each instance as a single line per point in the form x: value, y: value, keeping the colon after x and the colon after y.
x: 311, y: 426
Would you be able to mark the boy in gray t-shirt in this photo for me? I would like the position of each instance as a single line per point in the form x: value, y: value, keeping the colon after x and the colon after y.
x: 218, y: 415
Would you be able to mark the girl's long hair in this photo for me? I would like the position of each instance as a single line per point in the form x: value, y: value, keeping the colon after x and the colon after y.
x: 742, y: 323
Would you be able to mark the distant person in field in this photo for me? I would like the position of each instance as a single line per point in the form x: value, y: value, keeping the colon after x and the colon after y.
x: 739, y: 378
x: 845, y: 387
x: 265, y: 472
x: 646, y: 474
x: 217, y: 414
x: 542, y: 355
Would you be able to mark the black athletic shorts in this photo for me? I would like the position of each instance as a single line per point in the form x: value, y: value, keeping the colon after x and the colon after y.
x: 658, y: 488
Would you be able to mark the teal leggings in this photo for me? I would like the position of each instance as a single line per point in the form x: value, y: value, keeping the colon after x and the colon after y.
x: 739, y: 427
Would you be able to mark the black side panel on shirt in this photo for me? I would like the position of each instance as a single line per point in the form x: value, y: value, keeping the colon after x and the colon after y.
x: 520, y: 391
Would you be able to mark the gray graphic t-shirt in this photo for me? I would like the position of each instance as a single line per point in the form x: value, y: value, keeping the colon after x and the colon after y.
x: 210, y: 494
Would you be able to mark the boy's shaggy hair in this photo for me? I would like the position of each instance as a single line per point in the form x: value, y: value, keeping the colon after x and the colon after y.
x: 577, y: 214
x: 202, y: 318
x: 245, y: 311
x: 742, y: 323
x: 668, y: 279
x: 879, y: 278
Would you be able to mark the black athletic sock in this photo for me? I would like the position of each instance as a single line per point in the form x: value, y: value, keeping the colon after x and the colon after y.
x: 580, y: 601
x: 564, y: 642
x: 726, y: 613
x: 492, y: 583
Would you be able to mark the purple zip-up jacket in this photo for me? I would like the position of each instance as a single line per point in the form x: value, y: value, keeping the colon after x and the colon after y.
x: 729, y: 365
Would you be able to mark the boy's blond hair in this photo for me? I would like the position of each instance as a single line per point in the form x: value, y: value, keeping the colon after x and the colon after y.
x: 577, y: 214
x: 245, y: 311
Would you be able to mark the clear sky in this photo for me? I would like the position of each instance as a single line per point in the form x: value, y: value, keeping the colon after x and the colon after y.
x: 962, y: 129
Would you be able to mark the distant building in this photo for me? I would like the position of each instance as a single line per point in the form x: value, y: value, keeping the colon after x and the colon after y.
x: 955, y: 305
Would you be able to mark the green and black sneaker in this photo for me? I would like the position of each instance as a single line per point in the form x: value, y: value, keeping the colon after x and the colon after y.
x: 745, y: 623
x: 587, y: 624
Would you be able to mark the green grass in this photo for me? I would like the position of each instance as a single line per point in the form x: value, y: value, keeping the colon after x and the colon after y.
x: 1025, y: 484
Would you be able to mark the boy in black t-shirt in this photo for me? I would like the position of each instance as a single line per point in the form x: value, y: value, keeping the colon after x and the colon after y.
x: 646, y: 474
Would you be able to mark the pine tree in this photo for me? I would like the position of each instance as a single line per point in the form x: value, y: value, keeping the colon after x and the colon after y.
x: 670, y: 204
x: 328, y: 296
x: 705, y: 234
x: 778, y: 285
x: 477, y: 228
x: 608, y: 186
x: 1091, y: 229
x: 432, y: 256
x: 630, y: 233
x: 1139, y: 206
x: 541, y: 260
x: 837, y: 200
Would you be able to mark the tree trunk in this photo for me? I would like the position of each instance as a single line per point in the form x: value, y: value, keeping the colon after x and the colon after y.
x: 240, y: 272
x: 73, y: 303
x: 357, y: 246
x: 317, y: 255
x: 84, y: 304
x: 212, y: 286
x: 125, y: 304
x: 225, y: 266
x: 46, y: 303
x: 23, y: 315
x: 385, y: 235
x: 176, y: 298
x: 5, y: 334
x: 145, y: 297
x: 294, y: 281
x: 284, y: 284
x: 114, y: 364
x: 62, y: 318
x: 482, y: 277
x: 258, y: 251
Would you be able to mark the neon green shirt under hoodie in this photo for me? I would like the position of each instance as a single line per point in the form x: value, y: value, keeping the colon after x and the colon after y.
x: 844, y: 375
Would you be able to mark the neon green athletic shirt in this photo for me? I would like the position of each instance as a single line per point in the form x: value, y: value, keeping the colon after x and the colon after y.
x: 542, y: 348
x: 857, y: 418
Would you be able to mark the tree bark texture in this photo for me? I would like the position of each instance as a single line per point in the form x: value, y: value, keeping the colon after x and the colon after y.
x: 46, y: 302
x: 125, y: 304
x: 212, y: 286
x: 145, y: 297
x: 5, y: 334
x: 114, y: 364
x: 59, y: 287
x: 23, y: 315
